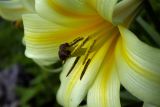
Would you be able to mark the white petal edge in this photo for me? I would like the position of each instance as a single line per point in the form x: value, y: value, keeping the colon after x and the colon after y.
x: 13, y: 10
x: 139, y: 71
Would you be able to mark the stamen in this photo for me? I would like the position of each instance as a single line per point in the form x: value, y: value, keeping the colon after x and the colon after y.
x: 75, y: 62
x: 63, y: 52
x: 75, y: 48
x: 88, y: 51
x: 79, y: 46
x: 85, y: 68
x: 75, y: 41
x: 85, y: 41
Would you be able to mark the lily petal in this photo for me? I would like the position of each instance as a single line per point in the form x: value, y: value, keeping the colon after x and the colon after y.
x: 29, y: 4
x: 104, y: 7
x: 105, y: 90
x: 13, y: 9
x: 125, y: 11
x: 72, y: 89
x: 61, y: 12
x: 138, y: 66
x: 43, y: 38
x: 113, y: 11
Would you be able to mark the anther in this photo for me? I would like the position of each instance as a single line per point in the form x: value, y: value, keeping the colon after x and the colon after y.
x: 75, y: 62
x: 85, y: 68
x: 85, y: 41
x: 63, y: 52
x: 88, y: 51
x: 79, y: 46
x: 75, y: 41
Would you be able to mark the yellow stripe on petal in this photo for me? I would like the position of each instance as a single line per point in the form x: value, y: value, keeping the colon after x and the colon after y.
x: 105, y: 90
x: 55, y: 12
x: 40, y: 38
x: 104, y: 7
x: 145, y: 57
x: 74, y: 88
x: 138, y: 66
x: 76, y: 8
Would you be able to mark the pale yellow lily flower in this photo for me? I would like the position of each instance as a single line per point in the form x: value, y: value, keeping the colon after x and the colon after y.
x: 13, y: 9
x: 100, y: 52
